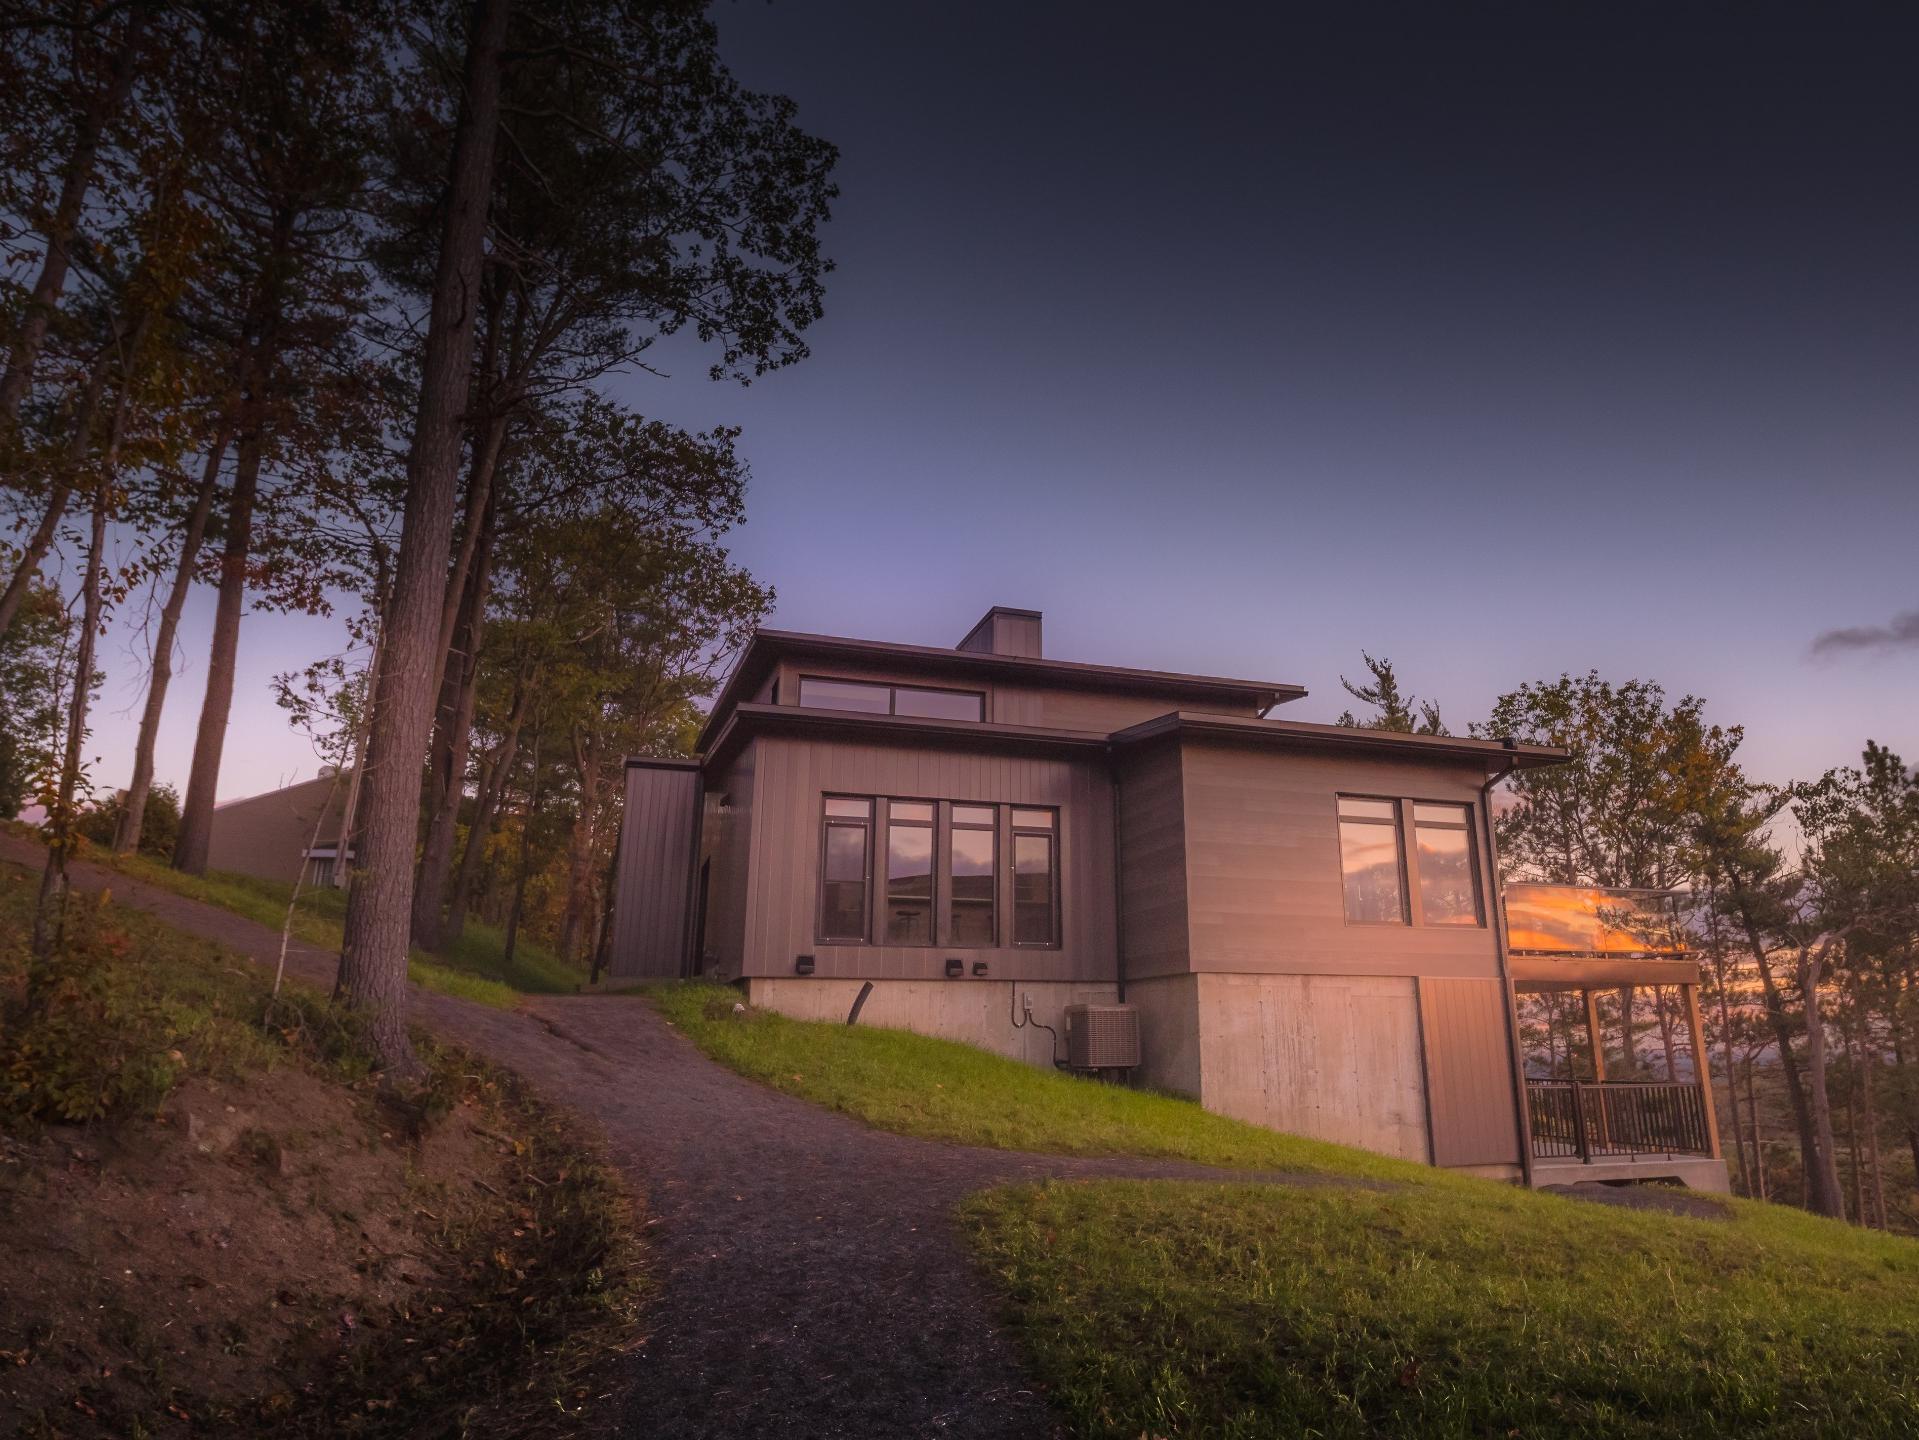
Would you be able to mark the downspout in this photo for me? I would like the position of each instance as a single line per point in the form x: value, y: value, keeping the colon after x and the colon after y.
x: 1119, y: 896
x: 1495, y: 892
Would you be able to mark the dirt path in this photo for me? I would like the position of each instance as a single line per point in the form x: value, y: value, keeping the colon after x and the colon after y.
x: 810, y: 1279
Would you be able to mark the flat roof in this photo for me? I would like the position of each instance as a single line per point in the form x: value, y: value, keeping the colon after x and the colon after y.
x: 1304, y: 734
x: 766, y: 645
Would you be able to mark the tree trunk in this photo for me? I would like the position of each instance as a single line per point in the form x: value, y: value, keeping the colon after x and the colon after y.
x: 72, y: 463
x: 126, y: 838
x: 486, y: 805
x: 196, y: 812
x: 49, y: 915
x: 1869, y: 1065
x: 579, y: 857
x: 526, y: 858
x: 1852, y: 1135
x: 1758, y: 1146
x: 347, y: 852
x: 76, y: 179
x: 373, y: 956
x: 1780, y: 1024
x: 459, y: 691
x: 1823, y: 1192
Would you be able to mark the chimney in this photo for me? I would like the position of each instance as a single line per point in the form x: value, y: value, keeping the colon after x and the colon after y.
x: 1004, y: 631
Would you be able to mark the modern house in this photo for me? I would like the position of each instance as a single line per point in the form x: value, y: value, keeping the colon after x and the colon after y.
x: 282, y: 833
x: 1303, y: 919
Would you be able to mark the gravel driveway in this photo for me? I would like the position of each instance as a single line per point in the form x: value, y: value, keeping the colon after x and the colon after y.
x: 809, y: 1278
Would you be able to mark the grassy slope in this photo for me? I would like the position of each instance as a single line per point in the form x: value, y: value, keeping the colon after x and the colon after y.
x: 1439, y: 1305
x: 547, y: 1253
x: 474, y: 969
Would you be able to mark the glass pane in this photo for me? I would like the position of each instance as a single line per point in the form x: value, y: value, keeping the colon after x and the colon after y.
x: 1369, y: 861
x: 938, y: 704
x: 1033, y: 819
x: 1033, y: 890
x: 1354, y: 808
x: 972, y: 814
x: 1446, y: 892
x: 972, y: 892
x: 843, y: 889
x: 920, y: 810
x: 1439, y: 814
x: 841, y: 805
x: 909, y: 884
x: 846, y: 695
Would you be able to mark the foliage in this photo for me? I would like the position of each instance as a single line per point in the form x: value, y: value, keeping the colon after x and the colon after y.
x: 161, y: 825
x: 1245, y: 1311
x: 1402, y: 713
x: 1620, y: 813
x: 30, y: 654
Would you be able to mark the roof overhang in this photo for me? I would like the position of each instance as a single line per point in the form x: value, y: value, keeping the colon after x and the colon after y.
x: 747, y: 721
x: 1498, y: 756
x: 768, y: 646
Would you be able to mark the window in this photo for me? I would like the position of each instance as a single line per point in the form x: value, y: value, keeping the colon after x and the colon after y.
x: 1443, y: 847
x: 909, y: 872
x: 868, y: 699
x: 846, y: 843
x: 970, y: 896
x: 1372, y: 861
x: 1035, y: 878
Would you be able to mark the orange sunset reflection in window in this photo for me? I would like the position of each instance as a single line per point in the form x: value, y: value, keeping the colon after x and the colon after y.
x: 1591, y: 920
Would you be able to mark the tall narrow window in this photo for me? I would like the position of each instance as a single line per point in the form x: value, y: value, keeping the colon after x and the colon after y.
x: 1448, y: 886
x: 1371, y: 861
x: 845, y: 848
x: 909, y: 872
x: 1035, y: 878
x: 970, y: 898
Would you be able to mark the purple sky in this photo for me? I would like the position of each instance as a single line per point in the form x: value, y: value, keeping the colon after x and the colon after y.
x: 1238, y: 341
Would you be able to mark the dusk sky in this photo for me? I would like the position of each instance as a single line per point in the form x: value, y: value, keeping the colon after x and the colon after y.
x: 1499, y: 340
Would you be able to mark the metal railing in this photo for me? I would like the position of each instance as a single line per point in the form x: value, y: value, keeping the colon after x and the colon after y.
x: 1584, y: 1120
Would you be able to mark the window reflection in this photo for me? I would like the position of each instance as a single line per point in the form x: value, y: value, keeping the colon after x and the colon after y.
x: 1371, y: 863
x: 1448, y: 888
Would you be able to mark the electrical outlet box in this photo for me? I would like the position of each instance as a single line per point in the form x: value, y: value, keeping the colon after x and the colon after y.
x: 1027, y: 1001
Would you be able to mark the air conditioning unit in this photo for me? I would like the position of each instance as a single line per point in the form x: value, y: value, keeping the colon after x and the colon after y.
x: 1102, y: 1037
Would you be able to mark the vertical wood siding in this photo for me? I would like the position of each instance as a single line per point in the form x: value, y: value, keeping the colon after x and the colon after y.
x: 651, y: 905
x: 1469, y: 1072
x: 726, y: 836
x: 791, y: 776
x: 1152, y: 847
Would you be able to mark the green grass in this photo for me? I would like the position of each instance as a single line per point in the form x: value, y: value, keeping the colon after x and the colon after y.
x: 1415, y: 1303
x: 1176, y: 1309
x: 473, y: 968
x: 942, y: 1090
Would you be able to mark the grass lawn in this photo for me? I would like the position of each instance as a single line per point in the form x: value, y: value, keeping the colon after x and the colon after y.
x: 475, y: 968
x: 1437, y: 1305
x: 1169, y: 1309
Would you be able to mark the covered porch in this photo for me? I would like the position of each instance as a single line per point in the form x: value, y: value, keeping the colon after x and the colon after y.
x: 1607, y: 1002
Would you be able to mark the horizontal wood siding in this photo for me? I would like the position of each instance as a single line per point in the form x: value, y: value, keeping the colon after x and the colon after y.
x: 1152, y: 842
x: 1262, y: 860
x: 793, y: 774
x: 650, y: 906
x: 1469, y: 1072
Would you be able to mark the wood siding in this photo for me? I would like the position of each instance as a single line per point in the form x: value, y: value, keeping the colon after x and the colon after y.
x: 1469, y: 1072
x: 1336, y: 1057
x: 790, y: 777
x: 1152, y: 841
x: 268, y: 835
x: 726, y: 847
x: 1263, y: 874
x: 1005, y: 632
x: 652, y: 904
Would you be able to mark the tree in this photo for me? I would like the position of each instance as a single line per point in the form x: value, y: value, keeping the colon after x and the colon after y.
x: 1403, y: 714
x: 1621, y: 811
x: 30, y: 658
x: 101, y: 824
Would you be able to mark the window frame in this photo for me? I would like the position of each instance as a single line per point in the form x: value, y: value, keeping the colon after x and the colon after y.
x: 949, y: 825
x: 884, y: 896
x: 1396, y: 824
x: 1050, y: 834
x: 869, y: 827
x: 1416, y: 889
x: 892, y: 689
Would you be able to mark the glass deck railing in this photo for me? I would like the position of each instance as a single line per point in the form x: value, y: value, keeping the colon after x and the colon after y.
x: 1593, y: 920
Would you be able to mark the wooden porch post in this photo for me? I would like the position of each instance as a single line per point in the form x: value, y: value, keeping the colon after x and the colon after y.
x: 1702, y: 1069
x: 1598, y: 1043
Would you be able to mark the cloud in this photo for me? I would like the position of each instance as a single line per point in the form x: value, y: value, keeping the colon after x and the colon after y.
x: 1901, y: 634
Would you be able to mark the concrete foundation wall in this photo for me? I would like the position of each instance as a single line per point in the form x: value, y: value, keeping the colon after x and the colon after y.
x: 1334, y: 1057
x: 974, y: 1012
